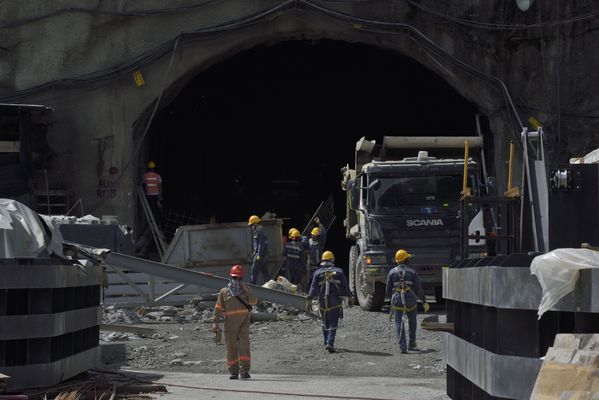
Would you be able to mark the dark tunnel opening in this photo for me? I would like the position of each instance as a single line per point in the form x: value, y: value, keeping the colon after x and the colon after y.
x: 270, y: 128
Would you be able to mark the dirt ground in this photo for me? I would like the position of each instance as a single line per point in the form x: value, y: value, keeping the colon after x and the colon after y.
x: 291, y: 345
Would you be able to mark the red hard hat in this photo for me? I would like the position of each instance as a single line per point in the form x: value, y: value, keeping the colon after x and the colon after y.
x: 236, y: 271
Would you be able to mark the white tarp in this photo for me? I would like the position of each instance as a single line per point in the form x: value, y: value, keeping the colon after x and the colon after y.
x: 558, y: 272
x: 22, y: 233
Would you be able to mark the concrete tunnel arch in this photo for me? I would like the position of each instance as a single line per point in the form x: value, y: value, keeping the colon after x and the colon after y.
x: 154, y: 147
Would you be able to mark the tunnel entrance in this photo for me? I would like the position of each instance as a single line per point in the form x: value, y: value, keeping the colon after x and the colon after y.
x: 270, y: 128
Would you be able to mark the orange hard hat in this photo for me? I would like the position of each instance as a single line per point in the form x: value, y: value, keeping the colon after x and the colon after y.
x: 236, y: 271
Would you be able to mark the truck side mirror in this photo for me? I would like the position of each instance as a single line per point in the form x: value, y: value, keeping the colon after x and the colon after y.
x: 354, y: 195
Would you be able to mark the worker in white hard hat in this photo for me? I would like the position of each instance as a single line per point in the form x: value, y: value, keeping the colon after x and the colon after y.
x: 404, y: 289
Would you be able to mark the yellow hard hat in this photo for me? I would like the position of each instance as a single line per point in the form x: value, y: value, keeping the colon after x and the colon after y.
x: 327, y: 255
x: 291, y: 231
x: 254, y: 219
x: 295, y: 233
x: 151, y: 164
x: 402, y: 256
x: 315, y: 232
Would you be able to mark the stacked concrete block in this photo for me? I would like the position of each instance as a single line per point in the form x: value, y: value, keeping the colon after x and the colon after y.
x: 498, y: 341
x: 49, y: 321
x: 570, y: 369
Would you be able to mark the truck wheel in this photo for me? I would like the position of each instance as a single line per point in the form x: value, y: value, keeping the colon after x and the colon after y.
x: 368, y: 302
x: 353, y: 257
x: 439, y: 295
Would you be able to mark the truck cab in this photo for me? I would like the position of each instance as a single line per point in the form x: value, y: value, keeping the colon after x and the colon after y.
x: 414, y: 204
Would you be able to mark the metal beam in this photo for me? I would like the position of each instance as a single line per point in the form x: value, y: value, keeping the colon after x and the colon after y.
x: 199, y: 278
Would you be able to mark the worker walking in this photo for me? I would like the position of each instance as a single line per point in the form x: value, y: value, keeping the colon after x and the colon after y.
x: 330, y: 285
x: 295, y: 261
x: 404, y: 290
x: 152, y: 183
x: 234, y: 303
x: 259, y: 247
x: 318, y: 237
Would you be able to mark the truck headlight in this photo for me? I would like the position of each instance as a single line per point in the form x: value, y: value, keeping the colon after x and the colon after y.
x: 375, y: 259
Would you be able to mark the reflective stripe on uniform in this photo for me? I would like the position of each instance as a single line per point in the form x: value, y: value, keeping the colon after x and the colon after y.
x: 236, y: 312
x: 232, y: 362
x: 218, y: 307
x: 330, y: 308
x: 403, y: 309
x: 245, y: 358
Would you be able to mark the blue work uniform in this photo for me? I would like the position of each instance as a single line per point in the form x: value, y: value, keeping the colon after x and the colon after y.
x: 404, y: 289
x: 259, y: 247
x: 295, y: 262
x: 315, y: 249
x: 329, y: 284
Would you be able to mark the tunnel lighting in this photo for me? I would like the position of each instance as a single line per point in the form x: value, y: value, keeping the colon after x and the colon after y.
x: 524, y: 5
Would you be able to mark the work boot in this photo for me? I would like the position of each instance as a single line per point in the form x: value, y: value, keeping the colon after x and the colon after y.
x: 331, y: 349
x: 245, y: 375
x: 233, y: 376
x: 413, y: 346
x: 404, y: 351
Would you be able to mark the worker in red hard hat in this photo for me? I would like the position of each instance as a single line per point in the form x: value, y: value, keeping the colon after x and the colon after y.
x: 234, y: 304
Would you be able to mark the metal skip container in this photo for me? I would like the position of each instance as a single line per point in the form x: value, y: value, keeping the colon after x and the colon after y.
x: 214, y: 248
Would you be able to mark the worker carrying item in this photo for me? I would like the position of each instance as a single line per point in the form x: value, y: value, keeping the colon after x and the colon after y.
x: 404, y: 289
x: 318, y: 237
x: 295, y: 258
x: 152, y: 183
x: 259, y: 246
x: 234, y: 303
x: 330, y: 285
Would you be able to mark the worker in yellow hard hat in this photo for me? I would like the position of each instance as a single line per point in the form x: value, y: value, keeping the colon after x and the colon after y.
x: 404, y: 289
x: 330, y: 286
x: 259, y: 247
x: 295, y: 258
x: 152, y: 183
x: 315, y: 245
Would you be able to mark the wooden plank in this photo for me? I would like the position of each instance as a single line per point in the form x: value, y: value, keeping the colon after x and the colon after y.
x: 437, y: 326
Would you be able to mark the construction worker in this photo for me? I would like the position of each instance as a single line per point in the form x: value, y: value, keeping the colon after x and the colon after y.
x: 330, y: 285
x: 318, y: 237
x: 152, y: 183
x: 404, y: 290
x: 295, y: 262
x: 234, y: 303
x: 259, y: 246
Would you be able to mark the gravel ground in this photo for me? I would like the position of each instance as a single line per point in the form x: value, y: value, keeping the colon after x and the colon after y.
x: 292, y: 345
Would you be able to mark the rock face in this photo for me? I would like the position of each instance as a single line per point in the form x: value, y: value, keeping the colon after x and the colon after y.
x: 545, y: 57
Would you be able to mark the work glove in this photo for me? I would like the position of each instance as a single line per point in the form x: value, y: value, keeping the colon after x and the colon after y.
x: 317, y: 220
x: 215, y: 327
x: 426, y: 307
x: 309, y: 306
x: 257, y: 258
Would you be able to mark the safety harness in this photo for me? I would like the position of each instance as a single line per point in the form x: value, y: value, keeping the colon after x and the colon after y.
x: 328, y: 279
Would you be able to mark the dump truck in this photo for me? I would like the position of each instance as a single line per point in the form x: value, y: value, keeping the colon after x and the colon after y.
x: 410, y: 203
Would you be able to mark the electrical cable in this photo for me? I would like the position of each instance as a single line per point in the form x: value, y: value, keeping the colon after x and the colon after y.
x: 148, y: 56
x: 217, y: 389
x: 429, y: 44
x: 91, y: 11
x: 496, y: 26
x: 383, y: 26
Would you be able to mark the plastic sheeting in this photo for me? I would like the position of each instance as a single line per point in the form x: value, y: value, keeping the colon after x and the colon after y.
x: 24, y: 233
x: 558, y: 272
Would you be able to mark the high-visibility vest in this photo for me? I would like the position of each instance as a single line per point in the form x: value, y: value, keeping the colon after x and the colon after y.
x: 152, y: 180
